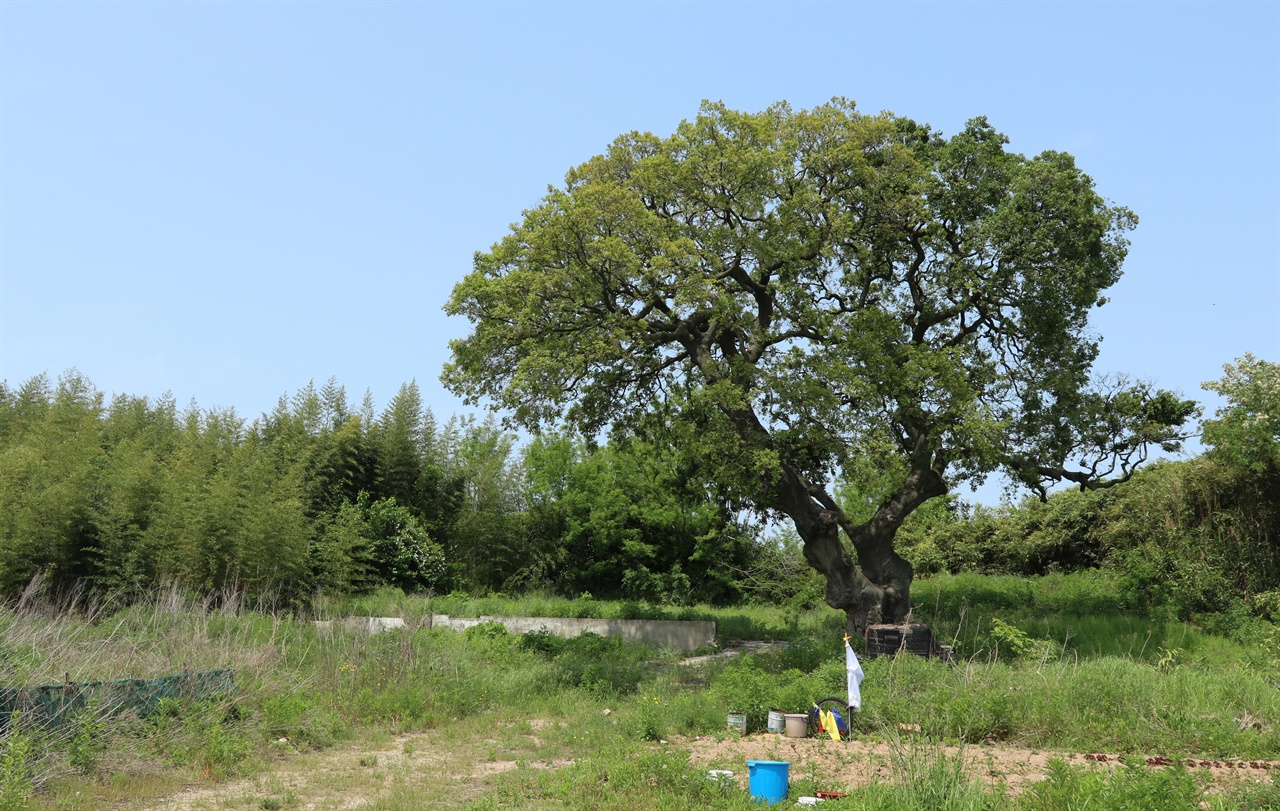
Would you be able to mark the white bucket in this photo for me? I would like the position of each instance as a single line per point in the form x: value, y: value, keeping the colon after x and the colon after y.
x: 797, y: 725
x: 723, y: 778
x: 777, y: 722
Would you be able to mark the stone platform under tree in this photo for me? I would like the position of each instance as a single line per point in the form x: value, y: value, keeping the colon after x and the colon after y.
x: 888, y: 640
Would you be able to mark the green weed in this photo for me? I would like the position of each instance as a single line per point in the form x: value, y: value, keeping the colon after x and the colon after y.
x: 928, y: 779
x: 1134, y: 787
x: 86, y: 742
x: 16, y: 756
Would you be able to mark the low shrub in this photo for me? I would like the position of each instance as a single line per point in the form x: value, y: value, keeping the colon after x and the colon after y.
x: 927, y: 777
x: 16, y: 769
x: 300, y: 718
x: 1133, y: 787
x: 623, y: 777
x: 208, y: 737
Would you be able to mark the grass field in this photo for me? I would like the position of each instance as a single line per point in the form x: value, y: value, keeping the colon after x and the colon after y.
x: 1051, y: 670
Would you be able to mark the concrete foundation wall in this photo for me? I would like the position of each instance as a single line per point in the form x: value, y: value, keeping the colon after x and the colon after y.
x: 370, y: 625
x: 684, y: 636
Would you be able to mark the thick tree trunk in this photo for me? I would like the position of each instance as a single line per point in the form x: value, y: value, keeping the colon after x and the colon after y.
x: 876, y: 588
x: 877, y: 592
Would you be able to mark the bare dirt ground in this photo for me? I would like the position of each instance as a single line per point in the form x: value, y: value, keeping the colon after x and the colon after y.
x: 335, y: 780
x: 355, y: 775
x: 860, y: 763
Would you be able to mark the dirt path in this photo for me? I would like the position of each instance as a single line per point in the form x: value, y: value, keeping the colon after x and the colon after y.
x: 355, y: 775
x: 860, y: 763
x: 335, y: 780
x: 451, y: 770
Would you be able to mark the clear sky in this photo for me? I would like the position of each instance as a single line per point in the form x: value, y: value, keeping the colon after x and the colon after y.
x: 227, y: 200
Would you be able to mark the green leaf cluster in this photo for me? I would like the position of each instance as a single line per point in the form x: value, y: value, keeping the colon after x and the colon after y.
x: 1247, y: 429
x: 633, y: 519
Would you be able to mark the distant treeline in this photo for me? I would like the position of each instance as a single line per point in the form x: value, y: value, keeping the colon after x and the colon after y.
x: 1185, y: 537
x: 321, y: 496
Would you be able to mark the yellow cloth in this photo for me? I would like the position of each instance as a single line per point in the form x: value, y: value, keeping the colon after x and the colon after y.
x: 829, y: 724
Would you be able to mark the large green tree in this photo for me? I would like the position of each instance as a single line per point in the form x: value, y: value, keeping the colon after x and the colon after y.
x: 813, y: 286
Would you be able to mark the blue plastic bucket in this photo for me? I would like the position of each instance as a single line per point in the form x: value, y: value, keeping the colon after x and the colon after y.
x: 768, y: 780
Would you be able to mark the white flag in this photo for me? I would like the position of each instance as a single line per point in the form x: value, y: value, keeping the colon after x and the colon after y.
x: 854, y: 671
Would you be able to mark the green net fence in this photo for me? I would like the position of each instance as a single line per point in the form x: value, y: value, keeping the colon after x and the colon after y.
x: 56, y: 704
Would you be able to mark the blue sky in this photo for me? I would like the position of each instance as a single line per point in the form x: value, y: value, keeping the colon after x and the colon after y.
x: 226, y: 200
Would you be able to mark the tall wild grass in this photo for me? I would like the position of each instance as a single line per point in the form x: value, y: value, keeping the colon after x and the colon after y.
x: 1044, y: 665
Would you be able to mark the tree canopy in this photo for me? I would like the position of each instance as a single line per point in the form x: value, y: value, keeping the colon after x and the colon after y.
x: 1247, y: 428
x: 813, y: 286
